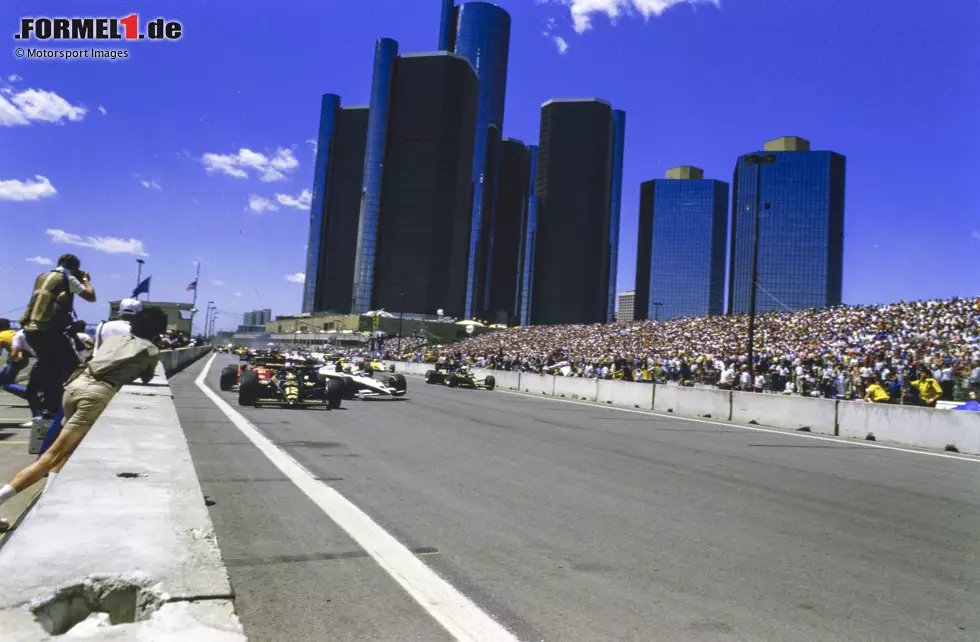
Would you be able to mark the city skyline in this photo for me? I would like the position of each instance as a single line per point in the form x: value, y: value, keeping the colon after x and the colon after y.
x: 698, y: 112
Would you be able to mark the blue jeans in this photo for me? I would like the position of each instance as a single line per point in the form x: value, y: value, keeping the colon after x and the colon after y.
x: 8, y: 378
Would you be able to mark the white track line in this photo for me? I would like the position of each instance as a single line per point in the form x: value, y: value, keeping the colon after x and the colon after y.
x: 463, y: 619
x: 774, y: 431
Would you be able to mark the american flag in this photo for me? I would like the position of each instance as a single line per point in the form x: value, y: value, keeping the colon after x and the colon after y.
x: 192, y: 285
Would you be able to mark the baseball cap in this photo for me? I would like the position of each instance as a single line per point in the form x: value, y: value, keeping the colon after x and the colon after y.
x: 129, y: 306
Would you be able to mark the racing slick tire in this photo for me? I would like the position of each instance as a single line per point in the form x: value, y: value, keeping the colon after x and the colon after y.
x: 350, y: 389
x: 248, y: 388
x: 368, y: 370
x: 229, y: 377
x: 334, y: 393
x: 431, y: 376
x: 490, y: 383
x: 397, y: 381
x: 451, y: 381
x: 391, y: 367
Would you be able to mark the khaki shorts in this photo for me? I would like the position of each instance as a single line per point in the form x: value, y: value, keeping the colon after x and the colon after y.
x: 84, y: 401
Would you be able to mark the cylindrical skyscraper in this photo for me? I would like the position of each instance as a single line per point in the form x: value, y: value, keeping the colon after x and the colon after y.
x: 529, y: 225
x: 619, y: 142
x: 481, y: 34
x: 329, y: 107
x: 385, y: 52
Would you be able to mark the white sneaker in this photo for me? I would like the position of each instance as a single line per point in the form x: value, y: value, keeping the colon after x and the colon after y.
x: 28, y: 424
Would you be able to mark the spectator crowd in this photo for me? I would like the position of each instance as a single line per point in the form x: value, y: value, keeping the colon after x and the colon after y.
x: 909, y: 352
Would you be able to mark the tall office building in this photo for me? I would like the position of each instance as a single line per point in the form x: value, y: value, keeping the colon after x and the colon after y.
x: 385, y: 53
x: 480, y: 32
x: 335, y: 207
x: 529, y: 235
x: 257, y: 318
x: 508, y: 232
x: 626, y: 306
x: 426, y: 191
x: 680, y: 255
x: 619, y: 144
x: 801, y: 229
x: 574, y: 185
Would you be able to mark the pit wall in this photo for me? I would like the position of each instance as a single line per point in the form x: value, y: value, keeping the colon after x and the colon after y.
x: 174, y: 361
x: 913, y: 426
x: 123, y: 534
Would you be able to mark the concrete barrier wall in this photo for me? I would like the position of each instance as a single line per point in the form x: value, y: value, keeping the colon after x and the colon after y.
x: 819, y: 415
x: 576, y: 388
x: 123, y: 525
x: 911, y: 425
x: 176, y: 360
x: 693, y: 402
x: 540, y: 384
x: 625, y: 393
x: 507, y: 380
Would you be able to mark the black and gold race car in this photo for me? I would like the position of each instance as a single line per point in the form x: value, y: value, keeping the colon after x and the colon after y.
x: 458, y: 376
x: 287, y: 383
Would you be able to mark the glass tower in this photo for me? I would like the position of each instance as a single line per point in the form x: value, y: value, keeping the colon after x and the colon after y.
x: 573, y: 187
x: 480, y: 32
x: 385, y: 52
x: 508, y: 234
x: 529, y: 225
x: 680, y: 258
x: 446, y: 26
x: 619, y: 142
x: 801, y: 229
x: 329, y: 110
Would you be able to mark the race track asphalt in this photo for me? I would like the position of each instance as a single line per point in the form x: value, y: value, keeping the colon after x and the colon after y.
x: 575, y: 521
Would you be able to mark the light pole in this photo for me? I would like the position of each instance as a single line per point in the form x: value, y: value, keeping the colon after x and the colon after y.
x: 758, y: 160
x: 207, y: 318
x: 139, y: 273
x: 401, y: 316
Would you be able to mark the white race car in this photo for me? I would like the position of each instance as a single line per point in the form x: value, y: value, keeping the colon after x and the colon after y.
x: 360, y: 384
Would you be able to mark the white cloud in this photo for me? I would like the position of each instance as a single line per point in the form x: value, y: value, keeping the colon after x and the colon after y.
x: 115, y: 276
x: 15, y: 190
x: 40, y: 260
x: 975, y: 234
x: 14, y: 78
x: 260, y: 204
x: 299, y: 277
x: 560, y: 43
x: 312, y: 144
x: 107, y: 244
x: 151, y: 185
x: 301, y: 202
x: 238, y: 164
x: 582, y: 10
x: 237, y: 294
x: 218, y: 282
x: 103, y: 110
x: 28, y: 105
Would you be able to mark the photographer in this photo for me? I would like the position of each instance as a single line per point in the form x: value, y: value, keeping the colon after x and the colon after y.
x: 121, y: 360
x: 46, y: 324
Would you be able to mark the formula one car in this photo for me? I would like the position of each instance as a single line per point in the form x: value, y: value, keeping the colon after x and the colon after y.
x: 362, y: 382
x: 458, y: 376
x: 288, y: 383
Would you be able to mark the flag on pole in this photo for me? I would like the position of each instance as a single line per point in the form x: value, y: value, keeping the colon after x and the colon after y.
x: 142, y: 288
x: 192, y: 285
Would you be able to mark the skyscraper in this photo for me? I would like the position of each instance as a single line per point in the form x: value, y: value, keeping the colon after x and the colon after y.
x: 335, y: 208
x: 480, y: 32
x: 680, y: 256
x: 426, y: 191
x: 801, y: 229
x: 626, y: 306
x: 508, y: 233
x: 329, y: 106
x: 529, y: 235
x: 574, y: 185
x: 385, y: 52
x: 619, y: 144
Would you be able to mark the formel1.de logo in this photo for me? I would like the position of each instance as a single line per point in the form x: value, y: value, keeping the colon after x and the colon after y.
x: 99, y: 29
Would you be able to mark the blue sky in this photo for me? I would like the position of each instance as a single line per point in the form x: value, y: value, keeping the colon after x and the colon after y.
x: 891, y: 85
